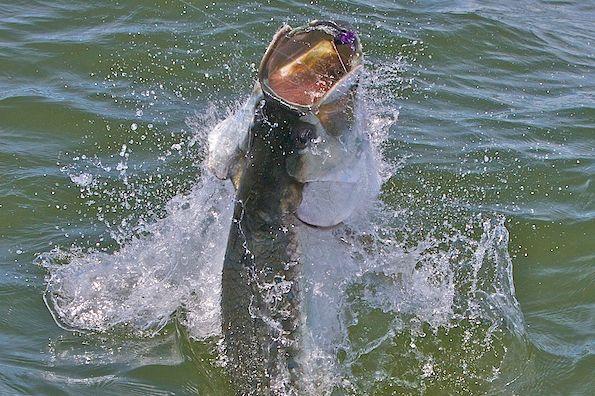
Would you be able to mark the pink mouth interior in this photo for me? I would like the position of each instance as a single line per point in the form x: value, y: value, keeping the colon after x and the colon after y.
x: 302, y: 70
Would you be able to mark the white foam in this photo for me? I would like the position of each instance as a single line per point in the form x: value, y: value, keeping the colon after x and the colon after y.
x: 82, y: 179
x: 142, y: 284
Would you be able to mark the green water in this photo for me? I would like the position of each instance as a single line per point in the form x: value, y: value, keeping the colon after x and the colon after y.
x: 496, y: 117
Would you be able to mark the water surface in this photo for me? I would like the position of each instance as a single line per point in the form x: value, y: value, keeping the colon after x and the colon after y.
x: 484, y: 115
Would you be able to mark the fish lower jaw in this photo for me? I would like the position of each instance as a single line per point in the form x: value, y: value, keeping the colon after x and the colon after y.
x: 318, y: 227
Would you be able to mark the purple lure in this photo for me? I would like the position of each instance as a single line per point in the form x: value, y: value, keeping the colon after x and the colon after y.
x: 347, y: 37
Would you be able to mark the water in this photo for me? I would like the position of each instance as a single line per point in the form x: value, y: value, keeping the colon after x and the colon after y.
x: 471, y: 274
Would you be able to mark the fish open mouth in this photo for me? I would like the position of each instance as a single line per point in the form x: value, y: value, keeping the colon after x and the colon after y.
x: 302, y: 65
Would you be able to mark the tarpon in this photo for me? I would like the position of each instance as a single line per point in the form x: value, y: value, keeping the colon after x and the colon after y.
x: 294, y: 153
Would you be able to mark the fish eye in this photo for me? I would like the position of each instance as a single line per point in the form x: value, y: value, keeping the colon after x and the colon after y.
x: 302, y: 135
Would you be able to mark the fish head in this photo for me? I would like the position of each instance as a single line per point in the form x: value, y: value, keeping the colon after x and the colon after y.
x: 304, y: 120
x: 311, y: 74
x: 309, y: 80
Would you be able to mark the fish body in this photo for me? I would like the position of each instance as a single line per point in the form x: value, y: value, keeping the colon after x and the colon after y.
x: 297, y: 159
x: 260, y: 296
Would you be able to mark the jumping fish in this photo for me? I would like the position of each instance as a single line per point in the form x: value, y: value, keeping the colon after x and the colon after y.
x: 297, y: 154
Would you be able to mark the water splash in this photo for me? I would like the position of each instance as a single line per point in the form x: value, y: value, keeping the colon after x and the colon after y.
x: 175, y: 264
x: 422, y: 310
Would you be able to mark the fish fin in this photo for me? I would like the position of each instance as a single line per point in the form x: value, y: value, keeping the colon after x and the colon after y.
x: 229, y: 140
x: 330, y: 202
x: 331, y: 194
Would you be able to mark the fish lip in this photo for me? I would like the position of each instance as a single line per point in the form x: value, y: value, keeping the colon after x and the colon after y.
x: 287, y: 30
x: 316, y: 227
